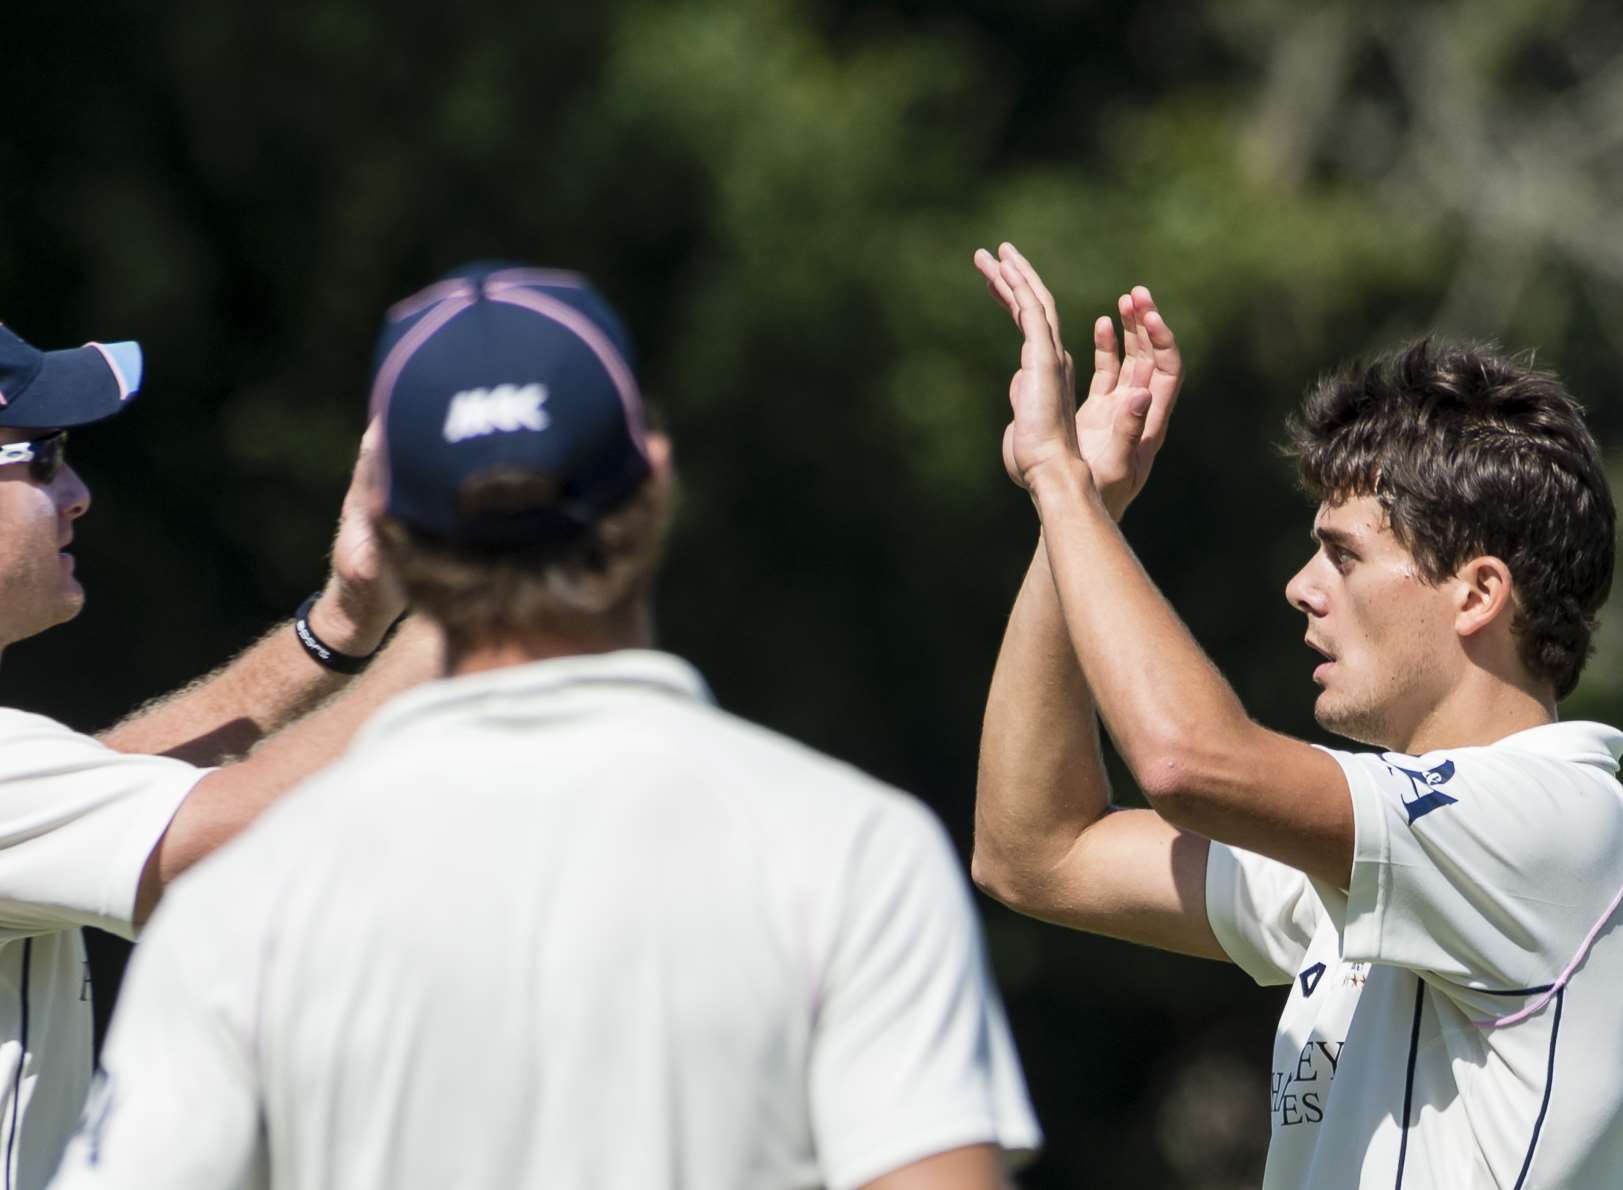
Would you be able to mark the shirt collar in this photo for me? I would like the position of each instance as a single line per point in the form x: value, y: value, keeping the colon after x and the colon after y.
x: 538, y: 685
x: 1580, y: 740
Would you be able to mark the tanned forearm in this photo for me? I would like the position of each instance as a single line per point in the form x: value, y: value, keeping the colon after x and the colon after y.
x: 1202, y: 763
x: 1047, y: 841
x: 221, y: 716
x: 1166, y: 706
x: 1041, y: 781
x: 228, y: 799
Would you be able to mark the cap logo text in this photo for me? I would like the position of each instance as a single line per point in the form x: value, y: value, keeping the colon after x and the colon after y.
x: 502, y: 409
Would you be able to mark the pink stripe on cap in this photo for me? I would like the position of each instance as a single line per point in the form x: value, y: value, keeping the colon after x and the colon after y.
x: 607, y: 354
x: 504, y: 278
x: 1562, y: 979
x: 395, y: 362
x: 424, y: 298
x: 118, y: 373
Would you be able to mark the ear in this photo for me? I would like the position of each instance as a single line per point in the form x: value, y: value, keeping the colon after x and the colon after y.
x: 661, y: 461
x: 1485, y: 594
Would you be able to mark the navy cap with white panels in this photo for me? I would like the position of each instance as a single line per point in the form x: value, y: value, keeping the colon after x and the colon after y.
x: 504, y: 369
x: 58, y: 389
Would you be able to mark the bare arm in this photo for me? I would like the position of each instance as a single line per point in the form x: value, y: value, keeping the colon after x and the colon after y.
x: 289, y: 714
x: 274, y: 681
x: 973, y: 1167
x: 1203, y: 764
x: 1047, y: 842
x: 228, y: 799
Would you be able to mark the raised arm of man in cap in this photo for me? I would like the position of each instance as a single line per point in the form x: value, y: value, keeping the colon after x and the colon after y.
x: 1047, y: 840
x: 240, y: 716
x: 90, y: 834
x: 221, y: 716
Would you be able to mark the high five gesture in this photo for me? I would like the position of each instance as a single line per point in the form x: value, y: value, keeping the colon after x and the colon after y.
x: 1123, y: 421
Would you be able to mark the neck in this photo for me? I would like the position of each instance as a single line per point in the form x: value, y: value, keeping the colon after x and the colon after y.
x: 630, y: 629
x: 1478, y: 713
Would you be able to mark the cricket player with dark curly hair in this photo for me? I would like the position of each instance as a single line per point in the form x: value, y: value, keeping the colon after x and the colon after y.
x: 1442, y: 907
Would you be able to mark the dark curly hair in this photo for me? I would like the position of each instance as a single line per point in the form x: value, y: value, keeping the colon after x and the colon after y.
x: 1474, y: 451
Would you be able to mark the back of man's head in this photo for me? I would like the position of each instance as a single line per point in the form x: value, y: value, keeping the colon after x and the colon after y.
x: 517, y: 494
x: 1473, y: 452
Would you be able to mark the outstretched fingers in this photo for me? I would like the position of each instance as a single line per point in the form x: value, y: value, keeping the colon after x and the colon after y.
x: 1040, y: 349
x: 1166, y: 376
x: 1137, y: 358
x: 1010, y: 253
x: 1001, y: 273
x: 1106, y: 363
x: 987, y: 265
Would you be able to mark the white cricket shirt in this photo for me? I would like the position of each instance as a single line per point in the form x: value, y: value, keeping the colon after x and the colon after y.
x: 77, y: 822
x: 1455, y: 1019
x: 564, y: 925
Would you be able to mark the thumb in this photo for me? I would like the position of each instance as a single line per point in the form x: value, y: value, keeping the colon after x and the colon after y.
x: 1127, y: 431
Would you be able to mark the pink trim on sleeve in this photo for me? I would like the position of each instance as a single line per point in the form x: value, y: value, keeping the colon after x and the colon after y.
x: 1562, y: 979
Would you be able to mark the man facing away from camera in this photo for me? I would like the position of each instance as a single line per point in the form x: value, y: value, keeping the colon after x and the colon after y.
x: 92, y: 831
x: 1443, y: 907
x: 556, y: 920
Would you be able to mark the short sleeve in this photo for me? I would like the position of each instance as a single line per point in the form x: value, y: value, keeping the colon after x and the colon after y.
x: 1483, y: 866
x: 911, y: 1052
x: 175, y: 1105
x: 1264, y: 913
x: 77, y: 823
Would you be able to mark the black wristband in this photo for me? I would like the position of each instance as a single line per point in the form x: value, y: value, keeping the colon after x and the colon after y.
x: 319, y: 650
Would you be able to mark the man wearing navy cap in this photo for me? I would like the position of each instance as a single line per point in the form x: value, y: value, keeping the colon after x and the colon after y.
x: 92, y: 831
x: 557, y: 920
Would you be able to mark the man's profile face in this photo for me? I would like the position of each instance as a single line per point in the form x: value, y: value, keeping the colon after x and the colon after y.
x: 37, y: 586
x: 1387, y: 640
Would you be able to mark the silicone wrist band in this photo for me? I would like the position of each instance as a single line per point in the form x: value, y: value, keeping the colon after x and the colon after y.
x: 319, y: 650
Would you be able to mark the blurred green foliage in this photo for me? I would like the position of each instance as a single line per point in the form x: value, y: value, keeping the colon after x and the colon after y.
x: 782, y: 196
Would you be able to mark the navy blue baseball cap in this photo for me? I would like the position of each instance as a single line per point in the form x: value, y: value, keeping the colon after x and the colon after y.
x: 507, y: 370
x: 57, y: 389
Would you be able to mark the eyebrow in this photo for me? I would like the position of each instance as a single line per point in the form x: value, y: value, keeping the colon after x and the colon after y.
x: 1323, y: 535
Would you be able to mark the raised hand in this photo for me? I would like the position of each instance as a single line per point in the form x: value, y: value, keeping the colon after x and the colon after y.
x: 1117, y: 433
x: 1042, y: 393
x: 361, y: 589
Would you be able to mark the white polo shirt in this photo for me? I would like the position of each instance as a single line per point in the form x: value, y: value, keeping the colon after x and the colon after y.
x: 77, y: 822
x: 564, y: 925
x: 1455, y: 1019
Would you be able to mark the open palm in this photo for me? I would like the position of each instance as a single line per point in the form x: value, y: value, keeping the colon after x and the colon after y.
x: 1117, y: 434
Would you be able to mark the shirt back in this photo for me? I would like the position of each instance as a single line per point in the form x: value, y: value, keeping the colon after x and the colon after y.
x: 566, y: 925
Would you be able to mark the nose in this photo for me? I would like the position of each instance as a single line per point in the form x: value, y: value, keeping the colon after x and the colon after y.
x: 1303, y: 593
x: 70, y: 493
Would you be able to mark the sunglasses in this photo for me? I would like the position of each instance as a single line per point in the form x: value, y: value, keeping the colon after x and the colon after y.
x: 44, y: 456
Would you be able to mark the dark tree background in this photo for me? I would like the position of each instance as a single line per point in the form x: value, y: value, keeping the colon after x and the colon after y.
x: 782, y: 196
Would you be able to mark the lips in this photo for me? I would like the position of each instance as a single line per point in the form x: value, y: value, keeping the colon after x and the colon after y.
x: 1330, y: 658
